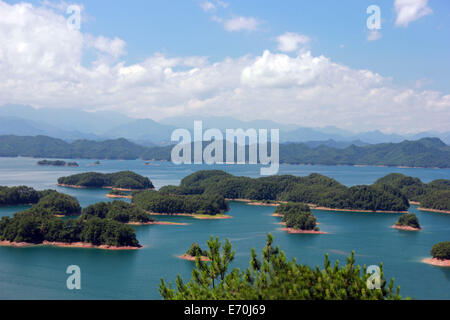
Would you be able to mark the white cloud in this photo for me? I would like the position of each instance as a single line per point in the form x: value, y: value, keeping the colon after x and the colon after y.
x: 207, y: 6
x: 290, y: 41
x: 374, y: 35
x: 241, y: 23
x: 410, y: 10
x: 41, y: 64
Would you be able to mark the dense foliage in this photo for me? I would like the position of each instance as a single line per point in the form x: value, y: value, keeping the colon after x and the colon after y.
x: 123, y: 179
x: 436, y: 200
x: 286, y: 207
x: 11, y: 196
x: 120, y: 211
x: 314, y: 189
x: 37, y: 225
x: 274, y: 278
x: 60, y: 204
x: 408, y: 220
x: 427, y: 152
x: 158, y: 202
x: 441, y: 251
x: 195, y: 250
x: 300, y: 220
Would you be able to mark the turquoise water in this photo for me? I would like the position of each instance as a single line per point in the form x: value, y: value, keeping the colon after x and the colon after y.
x: 39, y: 272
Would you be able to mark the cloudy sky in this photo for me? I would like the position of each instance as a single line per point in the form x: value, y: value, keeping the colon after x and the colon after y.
x: 312, y: 63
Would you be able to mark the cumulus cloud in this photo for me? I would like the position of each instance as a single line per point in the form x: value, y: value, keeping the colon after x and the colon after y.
x: 207, y: 6
x: 291, y: 41
x: 410, y: 10
x: 41, y: 64
x: 240, y: 23
x: 374, y: 35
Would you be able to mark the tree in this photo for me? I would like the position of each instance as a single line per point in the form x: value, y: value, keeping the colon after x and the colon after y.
x: 441, y: 251
x: 274, y: 278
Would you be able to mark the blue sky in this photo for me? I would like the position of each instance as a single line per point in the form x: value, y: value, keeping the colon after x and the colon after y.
x: 413, y: 56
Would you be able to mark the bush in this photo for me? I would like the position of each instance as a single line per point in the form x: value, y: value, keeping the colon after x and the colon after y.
x: 441, y: 251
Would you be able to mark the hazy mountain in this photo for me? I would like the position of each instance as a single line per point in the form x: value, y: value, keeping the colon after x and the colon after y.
x: 144, y: 130
x: 67, y: 119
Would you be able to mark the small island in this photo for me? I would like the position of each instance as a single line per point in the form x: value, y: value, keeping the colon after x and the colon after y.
x: 57, y: 163
x: 440, y: 255
x: 298, y: 219
x: 196, y: 206
x: 116, y: 194
x: 194, y: 252
x: 38, y: 226
x: 408, y: 222
x: 122, y: 181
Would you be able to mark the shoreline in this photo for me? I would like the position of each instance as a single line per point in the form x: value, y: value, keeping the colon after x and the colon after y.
x: 415, y: 203
x: 190, y: 215
x: 297, y: 231
x: 83, y: 245
x: 74, y: 186
x: 191, y: 258
x: 437, y: 262
x: 434, y: 210
x: 313, y: 206
x: 405, y: 228
x: 157, y: 223
x: 115, y: 196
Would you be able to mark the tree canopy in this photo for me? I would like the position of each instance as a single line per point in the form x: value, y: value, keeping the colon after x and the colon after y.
x: 120, y: 211
x: 408, y: 220
x: 123, y: 179
x: 441, y: 251
x: 274, y: 277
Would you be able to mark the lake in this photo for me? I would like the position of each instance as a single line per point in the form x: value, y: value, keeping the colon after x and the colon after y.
x: 40, y: 272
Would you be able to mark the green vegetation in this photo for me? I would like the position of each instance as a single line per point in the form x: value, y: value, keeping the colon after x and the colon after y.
x: 314, y: 189
x: 37, y: 225
x: 408, y: 220
x: 120, y: 211
x: 300, y: 220
x: 195, y: 251
x: 158, y: 202
x: 22, y: 195
x: 436, y: 200
x: 434, y: 195
x: 60, y: 204
x: 57, y: 163
x: 274, y: 278
x: 123, y: 179
x: 118, y: 193
x: 427, y: 152
x: 441, y: 251
x: 286, y: 207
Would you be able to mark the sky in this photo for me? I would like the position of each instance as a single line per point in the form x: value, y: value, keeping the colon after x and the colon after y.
x: 311, y: 63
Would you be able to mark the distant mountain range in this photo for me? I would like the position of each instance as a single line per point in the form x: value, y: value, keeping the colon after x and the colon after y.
x: 71, y: 124
x: 427, y: 152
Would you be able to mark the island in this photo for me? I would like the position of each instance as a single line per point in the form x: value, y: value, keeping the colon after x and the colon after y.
x: 38, y: 226
x: 197, y: 206
x: 408, y: 222
x: 60, y: 204
x: 194, y: 252
x: 20, y: 195
x: 298, y: 219
x: 116, y: 194
x: 433, y: 196
x: 440, y: 255
x: 122, y: 181
x: 320, y: 191
x: 57, y: 163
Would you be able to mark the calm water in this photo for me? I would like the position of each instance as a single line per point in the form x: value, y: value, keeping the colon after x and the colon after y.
x: 39, y: 272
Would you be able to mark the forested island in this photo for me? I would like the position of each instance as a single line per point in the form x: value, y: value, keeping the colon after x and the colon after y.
x: 427, y: 152
x: 122, y: 181
x: 193, y: 252
x: 433, y: 196
x: 21, y: 195
x: 298, y: 218
x: 210, y: 206
x: 117, y: 194
x: 408, y: 222
x: 317, y: 190
x: 39, y: 226
x: 119, y: 211
x: 440, y: 255
x: 57, y: 163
